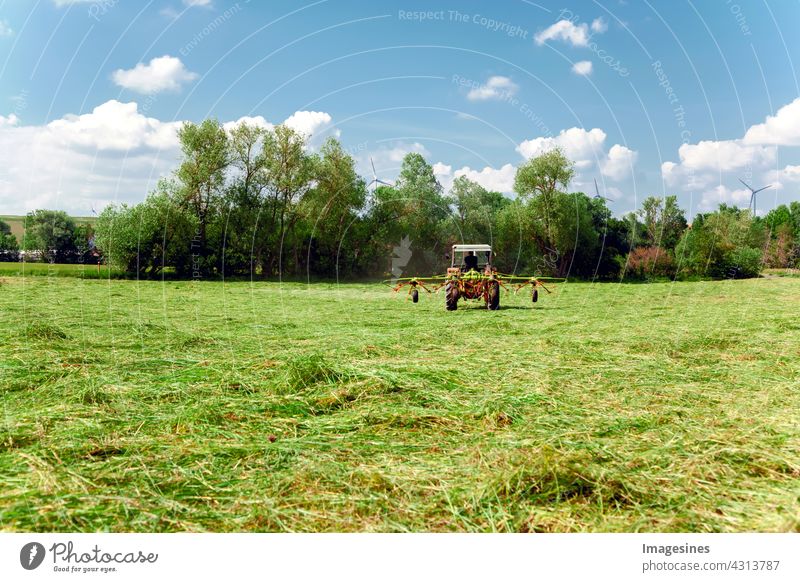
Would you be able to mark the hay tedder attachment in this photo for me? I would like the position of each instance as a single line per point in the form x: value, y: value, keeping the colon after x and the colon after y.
x: 470, y: 276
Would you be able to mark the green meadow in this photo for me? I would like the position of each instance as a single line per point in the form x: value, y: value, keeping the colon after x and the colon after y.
x: 209, y: 406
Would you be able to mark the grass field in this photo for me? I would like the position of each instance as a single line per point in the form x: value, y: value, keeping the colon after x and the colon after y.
x: 204, y: 406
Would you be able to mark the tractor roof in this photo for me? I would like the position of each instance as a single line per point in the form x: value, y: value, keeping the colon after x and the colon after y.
x: 463, y: 248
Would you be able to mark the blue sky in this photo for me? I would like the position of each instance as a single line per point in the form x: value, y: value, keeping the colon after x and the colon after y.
x: 648, y: 97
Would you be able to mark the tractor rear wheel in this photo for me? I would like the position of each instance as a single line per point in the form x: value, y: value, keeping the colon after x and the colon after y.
x: 414, y: 296
x: 535, y: 295
x: 493, y: 302
x: 451, y: 295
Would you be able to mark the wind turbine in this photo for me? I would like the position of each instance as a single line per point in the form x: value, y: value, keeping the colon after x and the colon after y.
x: 597, y: 193
x: 375, y: 179
x: 753, y: 194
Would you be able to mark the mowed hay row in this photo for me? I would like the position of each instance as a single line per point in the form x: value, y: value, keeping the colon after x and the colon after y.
x: 202, y: 406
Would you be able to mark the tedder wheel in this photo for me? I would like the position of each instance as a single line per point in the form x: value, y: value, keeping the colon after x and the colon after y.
x: 414, y: 296
x: 451, y: 296
x: 535, y: 295
x: 494, y: 296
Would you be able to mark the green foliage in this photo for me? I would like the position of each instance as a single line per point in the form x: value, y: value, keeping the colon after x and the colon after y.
x: 8, y: 243
x: 146, y: 238
x: 722, y: 244
x: 663, y: 221
x: 55, y: 234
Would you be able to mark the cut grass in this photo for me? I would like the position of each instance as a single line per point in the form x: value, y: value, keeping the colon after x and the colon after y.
x: 181, y: 406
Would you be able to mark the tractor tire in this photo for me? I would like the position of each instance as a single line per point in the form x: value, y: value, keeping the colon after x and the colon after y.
x: 451, y: 296
x: 494, y: 296
x: 535, y: 295
x: 415, y: 296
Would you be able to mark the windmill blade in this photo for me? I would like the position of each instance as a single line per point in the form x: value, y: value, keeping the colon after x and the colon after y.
x: 596, y: 190
x: 382, y: 182
x: 746, y: 185
x: 760, y: 189
x: 374, y: 173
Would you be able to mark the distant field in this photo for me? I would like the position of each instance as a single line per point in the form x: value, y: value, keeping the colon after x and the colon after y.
x: 17, y: 223
x: 148, y: 406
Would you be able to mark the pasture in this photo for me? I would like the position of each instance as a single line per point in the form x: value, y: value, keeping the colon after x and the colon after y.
x: 203, y: 406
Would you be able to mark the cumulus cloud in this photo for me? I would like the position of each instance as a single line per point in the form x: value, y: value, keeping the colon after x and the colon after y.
x: 579, y: 145
x: 586, y: 149
x: 566, y: 30
x: 311, y: 124
x: 9, y: 121
x: 783, y: 128
x: 709, y: 164
x: 84, y: 161
x: 715, y: 196
x: 257, y: 121
x: 160, y: 74
x: 494, y: 179
x: 496, y: 88
x: 619, y: 162
x: 582, y: 68
x: 80, y: 162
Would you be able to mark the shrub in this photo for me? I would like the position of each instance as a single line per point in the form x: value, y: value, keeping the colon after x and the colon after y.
x: 648, y: 262
x: 744, y: 263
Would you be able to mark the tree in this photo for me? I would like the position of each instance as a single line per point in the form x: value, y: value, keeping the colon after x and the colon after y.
x: 9, y: 248
x: 722, y: 244
x: 330, y: 207
x: 541, y: 177
x: 664, y: 221
x: 202, y: 176
x: 52, y: 232
x: 245, y: 234
x: 145, y: 238
x: 475, y: 210
x: 289, y: 173
x: 422, y: 211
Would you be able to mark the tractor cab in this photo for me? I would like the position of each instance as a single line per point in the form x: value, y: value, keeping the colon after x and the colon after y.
x: 467, y: 258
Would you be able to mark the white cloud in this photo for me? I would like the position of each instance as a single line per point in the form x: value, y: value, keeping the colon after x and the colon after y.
x: 256, y: 121
x: 712, y: 198
x: 496, y: 88
x: 574, y: 34
x: 5, y: 28
x: 582, y: 68
x: 790, y: 174
x: 586, y: 149
x: 708, y: 165
x: 599, y: 25
x: 197, y: 2
x: 9, y: 121
x: 619, y: 163
x: 312, y: 124
x: 80, y: 162
x: 114, y: 126
x: 782, y: 128
x: 161, y: 74
x: 581, y: 146
x: 494, y: 179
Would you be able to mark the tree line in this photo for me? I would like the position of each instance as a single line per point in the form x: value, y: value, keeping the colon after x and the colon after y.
x: 259, y: 203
